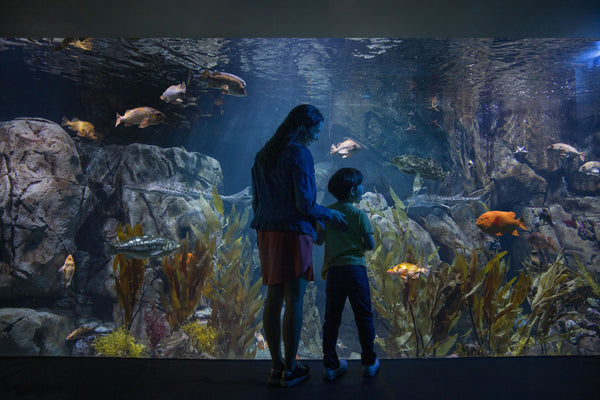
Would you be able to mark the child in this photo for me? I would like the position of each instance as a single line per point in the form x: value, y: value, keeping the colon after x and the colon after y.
x: 344, y: 267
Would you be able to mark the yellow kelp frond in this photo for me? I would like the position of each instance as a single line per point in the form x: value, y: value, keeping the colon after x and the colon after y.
x: 187, y: 273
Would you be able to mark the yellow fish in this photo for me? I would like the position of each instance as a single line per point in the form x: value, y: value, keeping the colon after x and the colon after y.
x: 68, y: 270
x: 80, y: 332
x: 142, y: 116
x: 407, y: 270
x: 83, y: 128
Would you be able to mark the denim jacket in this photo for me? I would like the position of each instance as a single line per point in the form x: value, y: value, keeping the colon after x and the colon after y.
x: 285, y: 199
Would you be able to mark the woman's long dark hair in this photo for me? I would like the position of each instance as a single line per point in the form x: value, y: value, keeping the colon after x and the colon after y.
x: 303, y: 116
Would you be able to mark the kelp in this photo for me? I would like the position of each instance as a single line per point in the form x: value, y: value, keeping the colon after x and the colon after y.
x: 551, y: 291
x: 418, y: 314
x: 493, y: 305
x: 129, y: 275
x: 236, y: 299
x: 186, y: 274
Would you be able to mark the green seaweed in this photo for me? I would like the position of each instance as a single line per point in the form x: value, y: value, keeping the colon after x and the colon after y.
x: 236, y: 299
x: 129, y: 275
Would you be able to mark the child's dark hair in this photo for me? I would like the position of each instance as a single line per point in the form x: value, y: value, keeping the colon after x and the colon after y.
x: 342, y: 181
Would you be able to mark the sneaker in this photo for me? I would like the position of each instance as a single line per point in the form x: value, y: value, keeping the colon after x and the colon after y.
x: 370, y: 370
x: 275, y: 377
x: 331, y: 373
x: 291, y: 378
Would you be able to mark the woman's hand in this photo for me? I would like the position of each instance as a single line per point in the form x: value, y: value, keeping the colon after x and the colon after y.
x: 337, y: 219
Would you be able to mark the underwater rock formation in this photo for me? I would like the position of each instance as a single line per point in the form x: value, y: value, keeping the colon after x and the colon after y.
x: 515, y: 182
x: 131, y: 178
x: 419, y: 239
x: 26, y: 332
x: 43, y: 202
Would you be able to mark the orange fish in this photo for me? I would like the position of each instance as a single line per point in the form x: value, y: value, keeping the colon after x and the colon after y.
x: 80, y: 332
x: 345, y: 149
x: 500, y: 223
x: 407, y: 270
x: 83, y: 128
x: 68, y: 270
x: 142, y: 116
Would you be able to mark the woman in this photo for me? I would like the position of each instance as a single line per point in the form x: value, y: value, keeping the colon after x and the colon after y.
x: 285, y: 216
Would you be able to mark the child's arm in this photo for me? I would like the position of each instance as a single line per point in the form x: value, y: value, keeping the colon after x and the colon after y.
x: 368, y: 241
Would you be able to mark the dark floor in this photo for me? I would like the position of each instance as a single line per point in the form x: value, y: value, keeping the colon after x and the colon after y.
x: 464, y: 378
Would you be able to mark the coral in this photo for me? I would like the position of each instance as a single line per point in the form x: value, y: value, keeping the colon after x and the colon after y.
x: 155, y: 326
x: 129, y: 275
x: 202, y: 336
x: 119, y: 343
x: 187, y: 273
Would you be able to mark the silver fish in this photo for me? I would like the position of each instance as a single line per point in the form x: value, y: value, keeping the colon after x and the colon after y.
x: 179, y: 190
x: 427, y: 200
x: 143, y: 247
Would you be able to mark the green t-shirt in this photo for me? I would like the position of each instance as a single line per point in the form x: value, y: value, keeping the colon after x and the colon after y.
x: 346, y: 247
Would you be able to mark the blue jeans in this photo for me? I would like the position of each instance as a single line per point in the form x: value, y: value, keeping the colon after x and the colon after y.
x: 348, y: 281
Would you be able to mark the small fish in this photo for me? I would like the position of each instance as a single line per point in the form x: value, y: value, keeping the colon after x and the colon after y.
x: 570, y: 223
x: 500, y: 223
x: 470, y: 163
x: 590, y: 168
x: 83, y: 128
x: 143, y: 247
x: 81, y: 331
x: 68, y: 270
x: 174, y: 93
x: 542, y: 242
x: 228, y: 83
x: 407, y: 270
x: 545, y: 217
x: 261, y: 343
x: 142, y: 116
x: 411, y: 127
x: 565, y: 150
x: 345, y: 149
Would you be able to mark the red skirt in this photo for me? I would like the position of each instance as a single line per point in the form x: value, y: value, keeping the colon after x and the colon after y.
x: 284, y: 256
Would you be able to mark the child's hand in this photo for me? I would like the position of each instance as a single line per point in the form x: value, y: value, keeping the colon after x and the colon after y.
x: 338, y: 220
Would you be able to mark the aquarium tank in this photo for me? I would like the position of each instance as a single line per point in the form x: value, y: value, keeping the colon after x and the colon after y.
x: 125, y: 192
